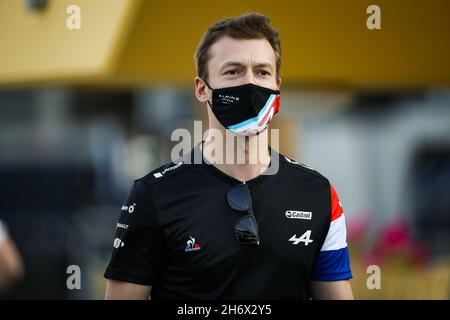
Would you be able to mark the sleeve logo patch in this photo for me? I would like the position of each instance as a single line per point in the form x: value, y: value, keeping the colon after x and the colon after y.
x: 160, y: 174
x: 118, y: 243
x: 129, y: 209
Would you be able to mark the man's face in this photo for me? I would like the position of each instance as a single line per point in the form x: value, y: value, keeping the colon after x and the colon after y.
x: 237, y: 62
x: 234, y: 63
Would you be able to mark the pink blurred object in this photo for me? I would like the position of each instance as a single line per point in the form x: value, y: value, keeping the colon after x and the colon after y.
x: 396, y: 242
x: 357, y: 229
x: 396, y: 234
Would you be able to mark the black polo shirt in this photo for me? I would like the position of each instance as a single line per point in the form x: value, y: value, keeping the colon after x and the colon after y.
x: 176, y: 233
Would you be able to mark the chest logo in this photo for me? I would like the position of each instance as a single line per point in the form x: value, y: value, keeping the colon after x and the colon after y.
x: 305, y: 238
x: 191, y: 245
x: 292, y: 214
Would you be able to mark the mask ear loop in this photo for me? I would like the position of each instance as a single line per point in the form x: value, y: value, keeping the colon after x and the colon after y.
x: 211, y: 91
x: 207, y: 84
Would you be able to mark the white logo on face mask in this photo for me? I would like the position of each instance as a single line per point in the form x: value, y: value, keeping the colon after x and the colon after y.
x: 227, y: 99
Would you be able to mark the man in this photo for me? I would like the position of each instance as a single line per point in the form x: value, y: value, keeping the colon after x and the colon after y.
x: 217, y: 230
x: 11, y: 264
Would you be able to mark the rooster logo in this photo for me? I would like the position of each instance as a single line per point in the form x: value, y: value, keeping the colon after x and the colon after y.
x: 191, y: 245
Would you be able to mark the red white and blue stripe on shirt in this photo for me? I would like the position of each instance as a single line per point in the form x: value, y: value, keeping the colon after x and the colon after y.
x: 333, y: 261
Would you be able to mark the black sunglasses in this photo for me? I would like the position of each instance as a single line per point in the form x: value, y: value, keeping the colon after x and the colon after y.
x: 246, y: 228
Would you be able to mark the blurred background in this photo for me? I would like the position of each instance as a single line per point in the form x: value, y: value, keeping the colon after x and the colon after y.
x: 85, y: 111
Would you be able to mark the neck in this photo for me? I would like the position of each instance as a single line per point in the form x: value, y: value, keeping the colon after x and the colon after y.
x: 242, y: 158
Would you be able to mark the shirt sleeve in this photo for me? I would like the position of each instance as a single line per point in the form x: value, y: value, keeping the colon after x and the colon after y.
x: 137, y: 245
x: 333, y: 260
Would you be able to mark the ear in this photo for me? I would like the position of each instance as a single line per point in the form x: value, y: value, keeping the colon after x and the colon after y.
x: 279, y: 83
x: 202, y: 92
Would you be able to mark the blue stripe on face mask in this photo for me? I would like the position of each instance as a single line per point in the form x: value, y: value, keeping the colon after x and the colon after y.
x: 254, y: 119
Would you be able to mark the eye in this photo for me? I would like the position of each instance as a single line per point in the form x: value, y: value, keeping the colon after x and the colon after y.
x: 264, y: 73
x: 232, y: 72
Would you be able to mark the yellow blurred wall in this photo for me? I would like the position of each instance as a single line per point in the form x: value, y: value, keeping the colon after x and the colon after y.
x: 142, y: 42
x: 37, y: 46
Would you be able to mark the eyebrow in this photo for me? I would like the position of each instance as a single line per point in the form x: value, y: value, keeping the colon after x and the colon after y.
x: 239, y: 64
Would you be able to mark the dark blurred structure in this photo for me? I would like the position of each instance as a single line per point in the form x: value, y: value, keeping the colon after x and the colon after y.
x: 65, y: 169
x: 430, y: 176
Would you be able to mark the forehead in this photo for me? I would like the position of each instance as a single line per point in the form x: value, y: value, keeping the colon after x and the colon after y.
x: 245, y: 51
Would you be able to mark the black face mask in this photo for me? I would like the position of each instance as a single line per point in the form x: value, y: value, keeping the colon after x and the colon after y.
x: 246, y: 109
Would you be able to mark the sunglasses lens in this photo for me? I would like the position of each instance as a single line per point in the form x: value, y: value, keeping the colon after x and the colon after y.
x: 239, y: 198
x: 247, y: 230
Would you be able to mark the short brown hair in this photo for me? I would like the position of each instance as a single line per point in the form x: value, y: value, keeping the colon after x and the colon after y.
x: 248, y: 26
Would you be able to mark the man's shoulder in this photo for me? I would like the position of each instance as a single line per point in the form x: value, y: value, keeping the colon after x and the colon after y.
x: 175, y: 168
x: 301, y: 168
x: 165, y: 172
